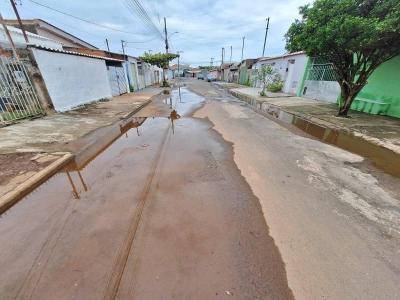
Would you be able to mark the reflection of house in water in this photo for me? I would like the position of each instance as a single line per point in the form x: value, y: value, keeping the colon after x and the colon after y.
x: 83, y: 158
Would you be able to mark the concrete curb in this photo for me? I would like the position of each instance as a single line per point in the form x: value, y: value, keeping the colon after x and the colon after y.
x: 13, y: 197
x: 137, y: 109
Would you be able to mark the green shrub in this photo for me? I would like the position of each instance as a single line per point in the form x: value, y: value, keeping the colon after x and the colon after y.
x: 275, y: 86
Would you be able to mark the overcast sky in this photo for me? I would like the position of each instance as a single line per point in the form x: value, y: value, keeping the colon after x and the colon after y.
x: 203, y: 26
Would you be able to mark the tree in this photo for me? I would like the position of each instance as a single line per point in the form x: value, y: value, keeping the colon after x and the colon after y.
x: 356, y: 36
x: 160, y: 60
x: 268, y: 76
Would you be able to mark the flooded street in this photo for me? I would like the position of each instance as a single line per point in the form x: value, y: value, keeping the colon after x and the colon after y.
x: 200, y: 197
x: 155, y: 214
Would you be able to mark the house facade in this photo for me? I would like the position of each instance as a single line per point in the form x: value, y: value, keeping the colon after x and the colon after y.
x: 290, y: 68
x: 47, y: 30
x: 84, y: 77
x: 244, y: 76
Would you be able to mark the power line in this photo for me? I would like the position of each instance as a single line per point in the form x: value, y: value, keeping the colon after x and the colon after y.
x: 81, y: 19
x: 139, y: 42
x: 136, y: 7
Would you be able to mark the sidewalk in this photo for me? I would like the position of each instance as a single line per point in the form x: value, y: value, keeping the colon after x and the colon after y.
x: 32, y: 148
x: 381, y: 131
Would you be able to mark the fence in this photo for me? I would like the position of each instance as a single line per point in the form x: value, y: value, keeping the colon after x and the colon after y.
x: 18, y: 99
x: 321, y: 71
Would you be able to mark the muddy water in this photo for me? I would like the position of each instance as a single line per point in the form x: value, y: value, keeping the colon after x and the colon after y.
x: 173, y: 196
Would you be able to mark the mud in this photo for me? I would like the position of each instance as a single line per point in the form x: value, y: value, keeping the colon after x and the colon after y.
x: 143, y: 212
x: 14, y: 164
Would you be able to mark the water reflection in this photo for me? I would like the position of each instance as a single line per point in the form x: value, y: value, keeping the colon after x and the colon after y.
x: 183, y: 101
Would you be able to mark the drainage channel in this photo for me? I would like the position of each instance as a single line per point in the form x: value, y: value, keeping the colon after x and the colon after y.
x: 381, y: 157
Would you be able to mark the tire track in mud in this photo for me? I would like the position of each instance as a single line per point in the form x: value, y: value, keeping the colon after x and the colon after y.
x: 114, y: 281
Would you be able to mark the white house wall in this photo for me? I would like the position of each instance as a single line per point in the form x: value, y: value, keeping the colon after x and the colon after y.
x: 292, y: 84
x: 72, y: 80
x: 281, y: 66
x: 328, y: 91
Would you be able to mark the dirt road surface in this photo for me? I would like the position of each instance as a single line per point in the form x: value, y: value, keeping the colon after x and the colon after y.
x: 222, y: 204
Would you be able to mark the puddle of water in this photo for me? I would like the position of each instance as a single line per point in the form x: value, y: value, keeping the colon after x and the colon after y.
x: 171, y: 107
x: 381, y: 157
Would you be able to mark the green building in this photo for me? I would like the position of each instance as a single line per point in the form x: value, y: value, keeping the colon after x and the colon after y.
x: 381, y: 95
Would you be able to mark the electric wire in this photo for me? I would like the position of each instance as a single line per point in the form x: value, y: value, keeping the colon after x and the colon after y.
x: 81, y: 19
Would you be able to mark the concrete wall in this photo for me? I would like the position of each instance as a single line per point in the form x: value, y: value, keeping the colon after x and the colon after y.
x: 328, y: 91
x: 72, y: 80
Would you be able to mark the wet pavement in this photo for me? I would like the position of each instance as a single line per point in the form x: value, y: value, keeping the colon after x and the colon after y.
x: 153, y: 207
x: 200, y: 197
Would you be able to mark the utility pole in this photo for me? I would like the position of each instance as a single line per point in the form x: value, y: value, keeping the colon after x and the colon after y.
x: 230, y: 59
x: 222, y: 62
x: 242, y: 47
x: 19, y: 20
x: 211, y: 61
x: 265, y: 38
x: 166, y: 35
x: 10, y: 40
x: 179, y: 79
x: 108, y: 46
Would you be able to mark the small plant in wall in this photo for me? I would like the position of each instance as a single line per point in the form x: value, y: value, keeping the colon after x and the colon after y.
x: 276, y: 85
x: 270, y: 79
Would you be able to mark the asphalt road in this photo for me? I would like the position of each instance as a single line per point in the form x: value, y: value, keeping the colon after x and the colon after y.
x: 220, y: 204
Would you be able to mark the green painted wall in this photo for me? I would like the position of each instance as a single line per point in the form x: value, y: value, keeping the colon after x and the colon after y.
x: 381, y: 95
x: 300, y: 88
x: 243, y: 75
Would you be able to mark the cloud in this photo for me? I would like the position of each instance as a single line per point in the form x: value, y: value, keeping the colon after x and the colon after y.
x: 204, y: 26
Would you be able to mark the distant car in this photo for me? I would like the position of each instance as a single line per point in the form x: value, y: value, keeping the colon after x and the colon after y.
x: 211, y: 77
x: 200, y: 76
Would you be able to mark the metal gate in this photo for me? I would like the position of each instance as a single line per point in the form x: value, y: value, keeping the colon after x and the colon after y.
x: 321, y: 70
x: 18, y: 99
x: 116, y: 76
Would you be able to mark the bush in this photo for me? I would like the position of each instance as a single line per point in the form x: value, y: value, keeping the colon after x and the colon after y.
x: 275, y: 86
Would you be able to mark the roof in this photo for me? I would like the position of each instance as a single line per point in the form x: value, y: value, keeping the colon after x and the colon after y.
x: 234, y: 66
x: 250, y: 60
x: 74, y: 53
x: 33, y: 38
x: 99, y: 52
x: 38, y: 21
x: 281, y: 56
x: 226, y: 65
